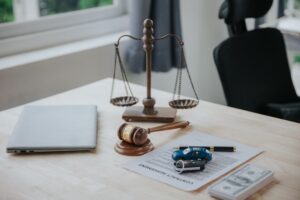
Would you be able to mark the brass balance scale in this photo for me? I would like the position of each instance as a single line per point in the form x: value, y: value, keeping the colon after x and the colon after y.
x: 148, y: 112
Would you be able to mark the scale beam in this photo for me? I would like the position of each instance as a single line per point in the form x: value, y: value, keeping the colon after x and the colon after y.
x: 148, y: 112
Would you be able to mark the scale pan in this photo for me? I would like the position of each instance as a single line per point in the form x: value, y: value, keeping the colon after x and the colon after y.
x: 183, y: 103
x: 124, y: 101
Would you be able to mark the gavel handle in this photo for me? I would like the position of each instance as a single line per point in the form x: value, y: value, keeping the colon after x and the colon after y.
x: 173, y: 125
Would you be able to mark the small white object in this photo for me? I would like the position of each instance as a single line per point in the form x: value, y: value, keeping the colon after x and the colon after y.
x: 242, y: 183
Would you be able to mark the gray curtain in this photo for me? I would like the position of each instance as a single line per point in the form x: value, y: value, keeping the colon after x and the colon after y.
x: 280, y: 8
x: 166, y: 17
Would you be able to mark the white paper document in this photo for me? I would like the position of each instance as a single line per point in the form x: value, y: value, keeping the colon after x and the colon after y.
x: 158, y: 164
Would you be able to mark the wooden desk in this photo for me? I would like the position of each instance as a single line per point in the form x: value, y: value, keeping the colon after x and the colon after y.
x: 100, y: 175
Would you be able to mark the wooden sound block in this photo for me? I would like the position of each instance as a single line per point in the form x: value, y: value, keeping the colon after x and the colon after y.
x: 127, y: 149
x: 162, y: 114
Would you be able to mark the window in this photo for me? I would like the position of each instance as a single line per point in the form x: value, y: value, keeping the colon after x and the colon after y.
x: 33, y: 24
x: 6, y: 11
x: 50, y: 7
x: 25, y: 10
x: 292, y: 8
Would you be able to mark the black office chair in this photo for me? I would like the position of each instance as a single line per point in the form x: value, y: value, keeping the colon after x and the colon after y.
x: 253, y: 65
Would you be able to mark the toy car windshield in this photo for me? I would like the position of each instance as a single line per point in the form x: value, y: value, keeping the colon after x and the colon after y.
x: 186, y: 151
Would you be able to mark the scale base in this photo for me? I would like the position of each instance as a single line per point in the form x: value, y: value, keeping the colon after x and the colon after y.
x: 127, y: 149
x: 162, y: 114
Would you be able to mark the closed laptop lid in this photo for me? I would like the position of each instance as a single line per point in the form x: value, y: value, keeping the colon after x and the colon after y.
x: 55, y: 128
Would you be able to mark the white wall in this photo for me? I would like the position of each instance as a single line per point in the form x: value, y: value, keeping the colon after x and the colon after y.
x: 29, y: 82
x: 202, y: 31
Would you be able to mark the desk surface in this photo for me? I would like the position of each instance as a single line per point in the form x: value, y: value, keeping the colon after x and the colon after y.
x: 100, y: 175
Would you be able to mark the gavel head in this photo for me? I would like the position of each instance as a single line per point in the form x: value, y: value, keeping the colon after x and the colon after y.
x: 133, y: 134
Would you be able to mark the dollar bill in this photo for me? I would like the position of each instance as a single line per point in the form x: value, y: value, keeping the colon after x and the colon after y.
x: 240, y: 183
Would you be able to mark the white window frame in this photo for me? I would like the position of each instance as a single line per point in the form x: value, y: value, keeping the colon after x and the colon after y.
x: 62, y: 28
x: 291, y: 10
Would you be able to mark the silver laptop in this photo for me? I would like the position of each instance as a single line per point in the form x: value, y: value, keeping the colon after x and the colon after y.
x: 55, y: 128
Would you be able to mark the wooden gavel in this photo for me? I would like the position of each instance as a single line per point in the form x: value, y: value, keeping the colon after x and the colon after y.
x: 139, y: 136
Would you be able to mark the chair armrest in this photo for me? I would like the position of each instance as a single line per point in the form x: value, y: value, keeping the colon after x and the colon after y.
x: 288, y: 111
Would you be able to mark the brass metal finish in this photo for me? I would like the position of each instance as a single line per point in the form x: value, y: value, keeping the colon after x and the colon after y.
x: 183, y: 103
x: 137, y: 113
x: 148, y: 47
x: 149, y: 113
x: 124, y: 101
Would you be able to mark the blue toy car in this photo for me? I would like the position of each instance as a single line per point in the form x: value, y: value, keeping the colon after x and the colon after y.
x: 192, y: 153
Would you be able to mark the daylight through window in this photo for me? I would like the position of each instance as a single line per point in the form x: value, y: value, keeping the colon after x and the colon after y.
x: 25, y: 10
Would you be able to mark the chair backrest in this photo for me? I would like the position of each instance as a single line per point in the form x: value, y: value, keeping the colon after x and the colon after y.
x: 254, y: 70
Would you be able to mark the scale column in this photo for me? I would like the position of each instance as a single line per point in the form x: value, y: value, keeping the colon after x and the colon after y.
x: 148, y: 40
x: 149, y: 113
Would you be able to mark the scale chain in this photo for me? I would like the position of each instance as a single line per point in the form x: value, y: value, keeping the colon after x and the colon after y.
x: 114, y: 75
x: 180, y: 74
x: 122, y: 72
x: 176, y: 80
x: 189, y: 75
x: 124, y: 75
